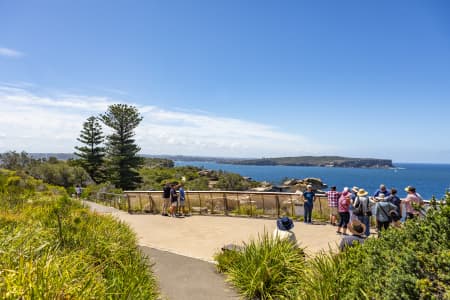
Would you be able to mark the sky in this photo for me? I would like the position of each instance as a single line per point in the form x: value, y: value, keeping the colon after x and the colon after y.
x: 231, y: 78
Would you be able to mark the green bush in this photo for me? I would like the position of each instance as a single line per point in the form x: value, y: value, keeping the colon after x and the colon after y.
x: 266, y: 269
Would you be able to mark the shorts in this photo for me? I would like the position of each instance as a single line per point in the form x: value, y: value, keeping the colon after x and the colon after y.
x: 181, y: 202
x: 174, y: 204
x: 333, y: 211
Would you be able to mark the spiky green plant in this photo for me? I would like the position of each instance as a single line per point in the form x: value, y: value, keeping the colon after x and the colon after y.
x: 267, y: 268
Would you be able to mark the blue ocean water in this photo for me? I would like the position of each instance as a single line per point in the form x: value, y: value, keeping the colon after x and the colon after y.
x: 429, y: 179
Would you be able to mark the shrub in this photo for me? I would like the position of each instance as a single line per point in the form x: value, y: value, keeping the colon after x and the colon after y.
x: 267, y: 268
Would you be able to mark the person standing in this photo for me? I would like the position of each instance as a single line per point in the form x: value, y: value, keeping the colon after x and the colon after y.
x: 78, y: 191
x: 182, y: 199
x: 333, y: 199
x: 394, y: 199
x: 382, y: 209
x: 309, y: 196
x: 363, y: 209
x: 173, y: 200
x: 344, y: 214
x: 411, y: 200
x: 352, y: 201
x: 381, y: 190
x: 166, y: 199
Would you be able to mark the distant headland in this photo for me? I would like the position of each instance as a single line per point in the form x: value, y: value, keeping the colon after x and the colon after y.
x: 316, y: 161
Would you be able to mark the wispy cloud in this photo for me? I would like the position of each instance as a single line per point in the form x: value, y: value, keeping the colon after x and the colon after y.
x: 51, y: 123
x: 10, y: 52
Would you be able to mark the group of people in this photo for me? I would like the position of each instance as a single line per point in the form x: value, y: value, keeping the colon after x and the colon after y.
x: 174, y: 200
x: 384, y: 205
x: 355, y: 209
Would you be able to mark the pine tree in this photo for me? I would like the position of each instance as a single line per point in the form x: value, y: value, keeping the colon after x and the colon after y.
x: 92, y: 153
x: 121, y: 149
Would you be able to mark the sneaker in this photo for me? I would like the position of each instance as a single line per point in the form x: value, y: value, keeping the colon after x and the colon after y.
x: 338, y: 232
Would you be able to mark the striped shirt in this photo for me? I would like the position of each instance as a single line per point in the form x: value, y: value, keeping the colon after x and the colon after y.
x: 333, y: 198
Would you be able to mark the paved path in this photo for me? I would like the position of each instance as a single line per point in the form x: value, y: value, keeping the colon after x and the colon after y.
x: 182, y: 277
x: 182, y: 249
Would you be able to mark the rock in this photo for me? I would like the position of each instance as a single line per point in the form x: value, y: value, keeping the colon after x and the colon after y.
x: 295, y: 185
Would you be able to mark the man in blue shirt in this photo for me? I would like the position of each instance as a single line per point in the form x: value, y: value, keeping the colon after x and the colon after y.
x: 382, y: 190
x: 309, y: 196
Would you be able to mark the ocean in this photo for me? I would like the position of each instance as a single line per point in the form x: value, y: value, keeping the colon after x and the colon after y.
x: 429, y: 179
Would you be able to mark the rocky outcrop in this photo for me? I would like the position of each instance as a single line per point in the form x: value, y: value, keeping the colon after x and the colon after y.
x: 300, y: 184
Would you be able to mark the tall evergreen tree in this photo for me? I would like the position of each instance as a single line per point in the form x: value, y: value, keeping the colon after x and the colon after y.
x: 121, y: 148
x: 92, y: 153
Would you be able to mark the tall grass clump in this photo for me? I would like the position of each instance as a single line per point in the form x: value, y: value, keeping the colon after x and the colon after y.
x: 53, y: 248
x: 265, y: 269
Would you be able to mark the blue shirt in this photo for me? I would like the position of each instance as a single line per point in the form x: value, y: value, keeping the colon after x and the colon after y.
x: 181, y: 190
x: 309, y: 197
x: 378, y: 192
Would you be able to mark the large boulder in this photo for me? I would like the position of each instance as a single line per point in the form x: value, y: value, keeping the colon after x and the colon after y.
x: 300, y: 184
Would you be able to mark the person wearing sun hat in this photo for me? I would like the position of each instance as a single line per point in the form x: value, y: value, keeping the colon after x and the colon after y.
x: 357, y: 229
x: 283, y: 230
x: 382, y: 212
x: 363, y: 209
x: 412, y: 199
x: 354, y: 190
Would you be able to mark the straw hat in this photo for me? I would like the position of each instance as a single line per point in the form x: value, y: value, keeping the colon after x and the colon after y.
x: 355, y: 189
x: 410, y: 189
x: 362, y: 192
x: 285, y: 223
x: 356, y: 227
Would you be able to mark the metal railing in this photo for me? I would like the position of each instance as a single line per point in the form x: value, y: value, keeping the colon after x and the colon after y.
x: 228, y: 203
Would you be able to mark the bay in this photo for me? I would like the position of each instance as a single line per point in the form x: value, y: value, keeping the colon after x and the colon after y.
x: 429, y: 179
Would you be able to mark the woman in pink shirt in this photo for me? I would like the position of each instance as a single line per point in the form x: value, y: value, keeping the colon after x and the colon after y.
x: 411, y: 198
x: 343, y: 208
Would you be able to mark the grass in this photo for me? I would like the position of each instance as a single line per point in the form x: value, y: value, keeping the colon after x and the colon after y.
x: 53, y: 248
x: 266, y: 269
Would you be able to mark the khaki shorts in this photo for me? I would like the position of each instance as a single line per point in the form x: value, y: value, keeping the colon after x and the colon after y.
x: 334, y: 211
x: 174, y: 204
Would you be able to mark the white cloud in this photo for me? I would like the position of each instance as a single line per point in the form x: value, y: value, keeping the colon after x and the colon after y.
x: 10, y: 52
x: 51, y: 123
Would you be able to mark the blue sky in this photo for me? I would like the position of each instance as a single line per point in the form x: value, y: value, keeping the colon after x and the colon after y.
x: 231, y: 78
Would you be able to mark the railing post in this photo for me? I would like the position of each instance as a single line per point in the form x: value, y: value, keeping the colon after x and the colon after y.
x: 151, y: 203
x: 292, y: 206
x: 212, y: 203
x: 200, y: 199
x: 251, y: 204
x: 225, y: 204
x: 188, y: 202
x: 238, y: 204
x: 277, y: 199
x: 140, y: 203
x: 263, y: 204
x: 129, y: 203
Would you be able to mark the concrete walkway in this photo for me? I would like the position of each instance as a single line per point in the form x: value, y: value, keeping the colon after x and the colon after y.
x: 182, y: 277
x: 182, y: 249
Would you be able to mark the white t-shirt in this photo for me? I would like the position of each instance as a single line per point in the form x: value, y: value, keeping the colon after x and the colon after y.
x: 285, y: 234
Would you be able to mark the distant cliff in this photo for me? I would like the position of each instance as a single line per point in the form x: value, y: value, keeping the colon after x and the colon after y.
x: 316, y: 161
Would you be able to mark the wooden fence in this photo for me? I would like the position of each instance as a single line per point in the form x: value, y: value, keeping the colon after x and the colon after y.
x: 228, y: 203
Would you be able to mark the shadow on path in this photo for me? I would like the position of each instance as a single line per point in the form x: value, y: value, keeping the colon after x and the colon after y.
x: 181, y: 277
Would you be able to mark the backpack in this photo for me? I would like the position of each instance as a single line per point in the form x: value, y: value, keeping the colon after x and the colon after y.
x: 358, y: 210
